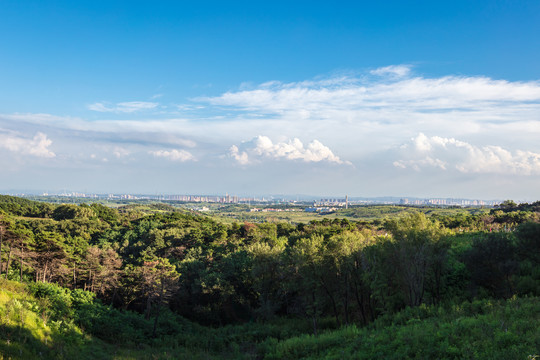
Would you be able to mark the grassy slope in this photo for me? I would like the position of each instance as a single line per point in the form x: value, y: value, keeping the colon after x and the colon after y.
x: 480, y: 330
x: 26, y: 332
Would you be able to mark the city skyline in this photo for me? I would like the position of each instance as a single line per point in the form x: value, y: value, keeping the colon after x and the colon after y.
x: 319, y: 201
x: 425, y: 100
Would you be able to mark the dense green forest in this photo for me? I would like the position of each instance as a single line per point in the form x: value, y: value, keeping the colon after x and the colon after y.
x: 123, y: 283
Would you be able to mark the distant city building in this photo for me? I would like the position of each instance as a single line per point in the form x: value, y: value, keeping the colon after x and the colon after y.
x: 234, y: 199
x: 333, y: 202
x: 320, y: 210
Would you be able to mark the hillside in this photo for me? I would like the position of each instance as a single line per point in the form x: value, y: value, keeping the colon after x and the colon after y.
x: 42, y: 327
x: 131, y: 284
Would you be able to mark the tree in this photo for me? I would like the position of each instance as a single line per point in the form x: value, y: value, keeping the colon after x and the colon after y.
x: 307, y: 279
x: 507, y: 205
x: 110, y: 272
x: 342, y: 261
x: 5, y: 234
x: 528, y: 241
x: 418, y: 252
x: 16, y: 237
x: 105, y: 213
x: 49, y: 256
x: 68, y: 212
x: 160, y: 281
x: 269, y: 272
x: 492, y: 262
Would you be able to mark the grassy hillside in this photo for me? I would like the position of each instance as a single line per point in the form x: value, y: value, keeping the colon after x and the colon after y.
x: 478, y: 330
x: 41, y: 327
x: 28, y: 332
x: 53, y: 324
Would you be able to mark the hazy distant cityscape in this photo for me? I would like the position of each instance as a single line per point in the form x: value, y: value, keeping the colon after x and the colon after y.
x: 316, y: 201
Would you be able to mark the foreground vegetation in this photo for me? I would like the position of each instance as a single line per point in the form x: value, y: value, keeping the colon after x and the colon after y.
x: 46, y: 321
x: 118, y: 283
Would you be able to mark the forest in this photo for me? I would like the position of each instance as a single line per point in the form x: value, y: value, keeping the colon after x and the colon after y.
x: 91, y: 281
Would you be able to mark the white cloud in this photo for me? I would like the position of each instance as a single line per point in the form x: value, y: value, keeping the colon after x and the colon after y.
x: 354, y: 96
x: 241, y: 157
x: 174, y: 155
x: 393, y: 70
x: 189, y: 107
x: 165, y: 133
x: 356, y: 116
x: 360, y: 118
x: 449, y: 153
x: 351, y: 115
x: 263, y: 147
x: 36, y: 146
x: 123, y: 107
x: 120, y: 152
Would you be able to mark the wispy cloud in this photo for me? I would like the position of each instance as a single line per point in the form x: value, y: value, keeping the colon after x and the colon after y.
x: 352, y: 115
x: 174, y: 155
x: 360, y: 119
x: 355, y: 115
x: 189, y: 107
x: 392, y: 70
x: 448, y: 153
x: 348, y: 96
x: 262, y: 147
x: 123, y: 107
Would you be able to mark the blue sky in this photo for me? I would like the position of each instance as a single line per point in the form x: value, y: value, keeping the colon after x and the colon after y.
x: 415, y: 98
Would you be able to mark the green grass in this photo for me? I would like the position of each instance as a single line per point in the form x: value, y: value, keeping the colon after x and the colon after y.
x: 27, y: 332
x: 46, y: 321
x: 479, y: 330
x: 59, y: 323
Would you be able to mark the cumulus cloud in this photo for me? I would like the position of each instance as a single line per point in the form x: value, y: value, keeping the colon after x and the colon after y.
x: 174, y: 155
x: 36, y: 146
x: 262, y: 147
x: 120, y: 152
x: 241, y: 157
x: 449, y: 153
x: 123, y: 107
x: 359, y: 117
x: 354, y: 115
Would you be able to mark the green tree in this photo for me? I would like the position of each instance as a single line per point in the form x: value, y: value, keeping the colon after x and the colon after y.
x: 418, y: 252
x: 492, y: 263
x: 50, y: 257
x: 69, y: 212
x: 307, y: 279
x: 528, y: 241
x: 160, y: 281
x: 5, y: 235
x: 269, y: 273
